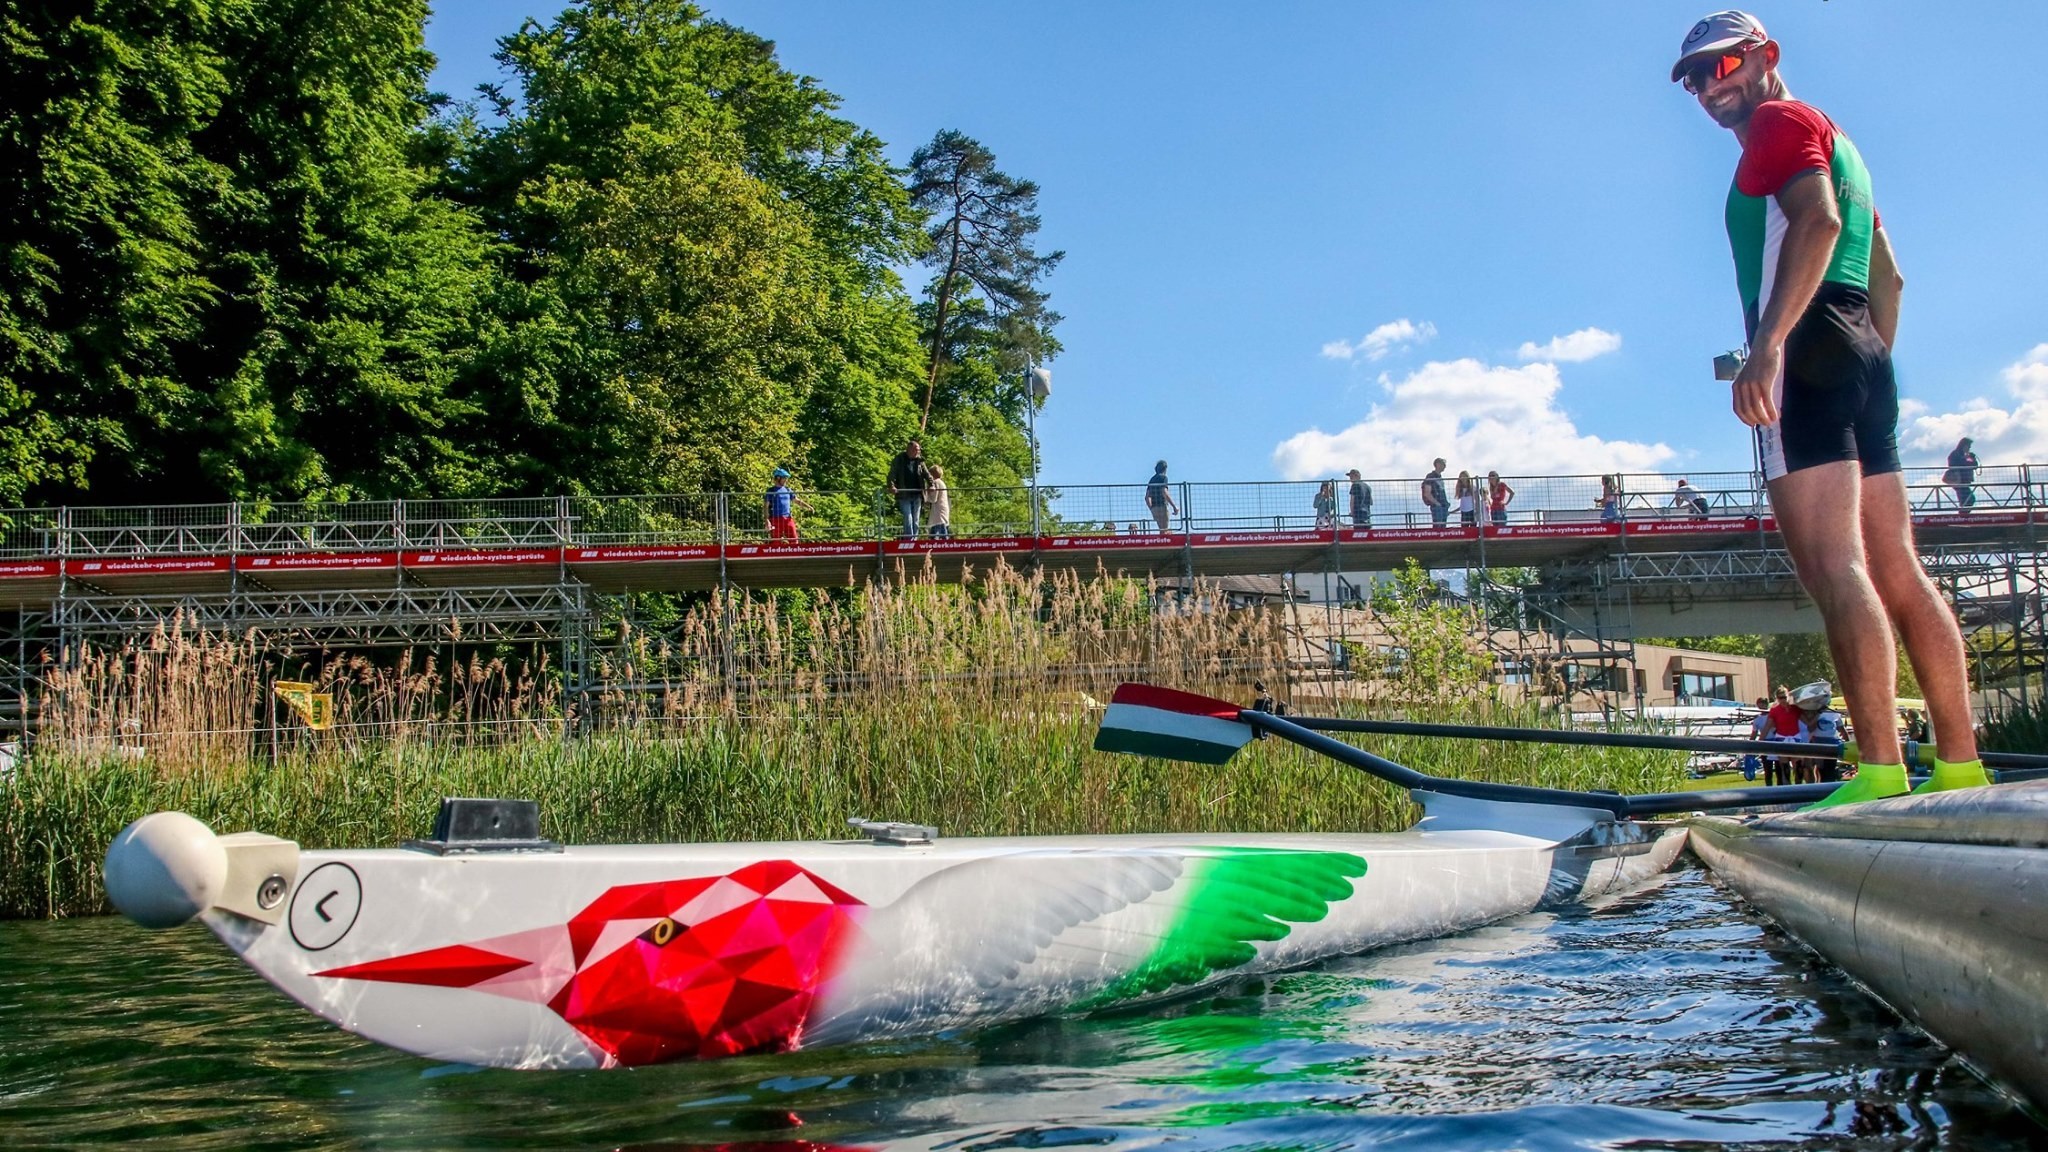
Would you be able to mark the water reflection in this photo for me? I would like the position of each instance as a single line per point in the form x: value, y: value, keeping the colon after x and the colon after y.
x: 1666, y: 1019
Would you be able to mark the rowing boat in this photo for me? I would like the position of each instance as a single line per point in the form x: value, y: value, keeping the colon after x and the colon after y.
x: 627, y: 955
x: 1936, y: 903
x: 487, y: 945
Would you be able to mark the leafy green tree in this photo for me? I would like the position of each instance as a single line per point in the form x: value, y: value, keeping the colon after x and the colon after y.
x: 228, y: 278
x: 703, y: 254
x: 981, y: 224
x: 1437, y: 658
x: 101, y: 281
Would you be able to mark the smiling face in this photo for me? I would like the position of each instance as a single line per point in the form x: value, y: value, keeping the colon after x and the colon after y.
x: 1730, y: 84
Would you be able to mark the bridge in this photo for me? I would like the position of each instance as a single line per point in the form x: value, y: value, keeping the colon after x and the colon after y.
x: 397, y: 573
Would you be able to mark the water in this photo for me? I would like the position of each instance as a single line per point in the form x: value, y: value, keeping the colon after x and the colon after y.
x: 1670, y: 1019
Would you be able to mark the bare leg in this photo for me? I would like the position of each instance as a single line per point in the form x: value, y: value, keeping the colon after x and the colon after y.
x: 1934, y: 644
x: 1819, y: 512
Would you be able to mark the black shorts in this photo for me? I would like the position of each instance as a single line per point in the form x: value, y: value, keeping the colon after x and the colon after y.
x: 1837, y: 397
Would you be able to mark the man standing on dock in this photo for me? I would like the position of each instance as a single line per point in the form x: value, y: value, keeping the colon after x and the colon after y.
x: 1820, y: 295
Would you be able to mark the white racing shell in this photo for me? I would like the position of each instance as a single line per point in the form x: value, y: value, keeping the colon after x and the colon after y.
x: 608, y: 956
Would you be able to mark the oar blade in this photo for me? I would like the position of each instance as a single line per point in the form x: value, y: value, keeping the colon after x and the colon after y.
x: 1147, y: 720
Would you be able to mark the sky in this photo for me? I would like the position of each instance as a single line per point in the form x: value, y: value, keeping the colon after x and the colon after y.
x: 1304, y: 236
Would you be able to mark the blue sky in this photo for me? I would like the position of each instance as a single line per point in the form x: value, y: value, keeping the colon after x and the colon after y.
x: 1512, y: 196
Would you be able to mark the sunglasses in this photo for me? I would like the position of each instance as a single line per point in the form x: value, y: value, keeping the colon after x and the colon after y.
x: 1720, y: 68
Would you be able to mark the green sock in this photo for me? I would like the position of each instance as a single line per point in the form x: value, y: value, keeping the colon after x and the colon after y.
x: 1872, y: 782
x: 1947, y: 776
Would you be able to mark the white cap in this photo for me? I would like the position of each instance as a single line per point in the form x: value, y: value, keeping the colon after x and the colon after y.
x: 1715, y: 33
x: 1817, y: 692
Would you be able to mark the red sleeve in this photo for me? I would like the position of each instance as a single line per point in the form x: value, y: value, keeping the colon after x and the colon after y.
x: 1785, y: 139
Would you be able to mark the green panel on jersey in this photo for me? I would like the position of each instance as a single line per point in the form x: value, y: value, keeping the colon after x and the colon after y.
x: 1749, y: 232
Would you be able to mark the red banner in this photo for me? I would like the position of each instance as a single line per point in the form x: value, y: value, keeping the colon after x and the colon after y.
x: 951, y: 545
x: 642, y: 553
x: 27, y: 568
x: 1383, y: 535
x: 144, y: 565
x: 851, y: 549
x: 1552, y: 531
x: 1692, y: 527
x: 1224, y: 539
x: 484, y: 557
x: 1963, y: 519
x: 316, y: 561
x: 1106, y: 543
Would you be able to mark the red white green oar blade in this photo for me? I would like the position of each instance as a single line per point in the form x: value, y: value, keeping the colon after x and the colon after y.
x: 1146, y: 720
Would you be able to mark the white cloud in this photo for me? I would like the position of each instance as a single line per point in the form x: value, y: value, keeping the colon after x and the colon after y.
x: 2009, y: 435
x: 1478, y: 416
x: 1382, y: 340
x: 1584, y: 344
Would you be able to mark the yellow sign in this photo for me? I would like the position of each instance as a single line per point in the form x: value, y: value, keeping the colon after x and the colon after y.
x: 314, y: 709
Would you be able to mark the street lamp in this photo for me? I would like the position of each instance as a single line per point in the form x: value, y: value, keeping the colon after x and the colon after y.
x: 1037, y: 387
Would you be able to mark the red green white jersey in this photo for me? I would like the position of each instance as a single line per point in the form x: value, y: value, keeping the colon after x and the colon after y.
x: 1785, y: 139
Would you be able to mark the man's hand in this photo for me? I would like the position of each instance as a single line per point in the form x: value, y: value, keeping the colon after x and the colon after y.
x: 1755, y: 385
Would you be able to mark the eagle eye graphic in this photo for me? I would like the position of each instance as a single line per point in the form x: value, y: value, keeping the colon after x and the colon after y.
x: 664, y: 930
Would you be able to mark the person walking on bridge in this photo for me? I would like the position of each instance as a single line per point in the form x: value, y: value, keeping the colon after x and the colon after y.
x: 1962, y: 474
x: 1820, y: 294
x: 908, y: 478
x: 780, y: 503
x: 1159, y: 497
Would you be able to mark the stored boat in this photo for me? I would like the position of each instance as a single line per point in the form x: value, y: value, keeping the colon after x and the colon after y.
x: 488, y: 945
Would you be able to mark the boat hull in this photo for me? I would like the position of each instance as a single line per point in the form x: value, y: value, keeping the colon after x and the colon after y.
x: 608, y: 956
x: 1938, y: 904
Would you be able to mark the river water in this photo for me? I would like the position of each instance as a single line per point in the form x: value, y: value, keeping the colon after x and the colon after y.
x: 1669, y: 1019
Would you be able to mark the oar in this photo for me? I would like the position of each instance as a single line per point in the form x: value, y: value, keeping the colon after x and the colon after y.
x: 1657, y: 804
x: 1147, y: 720
x: 1785, y: 749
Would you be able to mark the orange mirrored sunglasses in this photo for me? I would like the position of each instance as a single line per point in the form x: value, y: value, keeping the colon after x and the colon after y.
x: 1719, y: 68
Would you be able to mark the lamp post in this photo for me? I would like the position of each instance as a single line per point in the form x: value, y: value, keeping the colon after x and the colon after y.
x: 1037, y: 387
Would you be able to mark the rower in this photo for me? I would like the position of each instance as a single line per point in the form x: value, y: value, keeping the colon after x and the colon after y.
x: 1820, y: 289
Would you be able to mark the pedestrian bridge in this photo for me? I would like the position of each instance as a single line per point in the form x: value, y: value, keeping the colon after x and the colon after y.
x: 315, y: 567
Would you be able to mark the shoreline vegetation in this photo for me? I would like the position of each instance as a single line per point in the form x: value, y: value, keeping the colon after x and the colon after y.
x: 971, y: 707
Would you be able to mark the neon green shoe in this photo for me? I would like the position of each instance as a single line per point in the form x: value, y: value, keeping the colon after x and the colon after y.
x: 1871, y: 782
x: 1947, y: 776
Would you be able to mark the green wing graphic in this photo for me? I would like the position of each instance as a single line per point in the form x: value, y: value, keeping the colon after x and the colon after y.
x: 1233, y: 900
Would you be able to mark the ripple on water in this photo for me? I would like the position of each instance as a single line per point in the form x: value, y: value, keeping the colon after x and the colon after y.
x: 1667, y: 1019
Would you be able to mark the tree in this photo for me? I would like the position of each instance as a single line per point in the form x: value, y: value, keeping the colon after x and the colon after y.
x: 980, y: 225
x: 701, y: 255
x: 1437, y: 658
x: 228, y: 278
x: 101, y: 280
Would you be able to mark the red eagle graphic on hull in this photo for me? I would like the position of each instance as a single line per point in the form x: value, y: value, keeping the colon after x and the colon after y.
x: 671, y: 970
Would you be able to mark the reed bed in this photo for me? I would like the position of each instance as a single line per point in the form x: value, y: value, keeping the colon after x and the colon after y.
x: 770, y: 717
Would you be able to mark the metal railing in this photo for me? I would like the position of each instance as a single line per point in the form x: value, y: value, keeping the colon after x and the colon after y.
x: 268, y: 528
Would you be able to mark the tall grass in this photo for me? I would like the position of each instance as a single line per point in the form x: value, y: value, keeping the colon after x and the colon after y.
x: 770, y: 717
